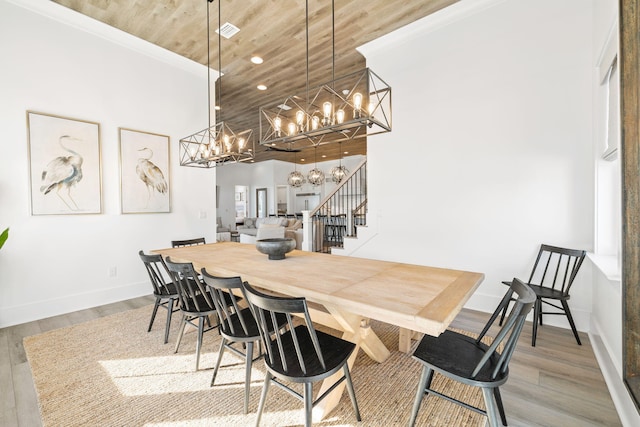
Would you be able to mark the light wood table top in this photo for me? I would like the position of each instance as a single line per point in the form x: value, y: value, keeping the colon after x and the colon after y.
x: 419, y: 298
x: 350, y: 290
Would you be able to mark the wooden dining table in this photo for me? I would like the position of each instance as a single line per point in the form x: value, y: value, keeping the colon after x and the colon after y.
x: 346, y: 293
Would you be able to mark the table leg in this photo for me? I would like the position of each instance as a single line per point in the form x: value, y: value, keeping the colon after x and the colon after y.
x: 357, y: 330
x: 406, y: 335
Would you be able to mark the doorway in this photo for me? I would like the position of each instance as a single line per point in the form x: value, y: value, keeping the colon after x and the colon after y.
x: 261, y: 203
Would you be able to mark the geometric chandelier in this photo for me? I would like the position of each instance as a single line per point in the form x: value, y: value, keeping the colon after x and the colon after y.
x: 350, y: 107
x: 345, y: 108
x: 218, y: 144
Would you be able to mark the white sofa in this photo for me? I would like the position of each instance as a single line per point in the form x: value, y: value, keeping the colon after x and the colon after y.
x: 270, y: 228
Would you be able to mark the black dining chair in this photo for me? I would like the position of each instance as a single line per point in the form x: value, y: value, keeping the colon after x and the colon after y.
x: 195, y: 301
x: 237, y: 324
x: 469, y: 361
x: 298, y: 354
x: 553, y: 273
x: 188, y: 242
x: 164, y: 290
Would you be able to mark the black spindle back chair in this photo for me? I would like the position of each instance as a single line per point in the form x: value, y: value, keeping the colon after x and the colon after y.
x: 553, y: 273
x: 188, y: 242
x: 164, y: 290
x: 298, y: 353
x: 471, y: 362
x: 196, y: 303
x: 237, y: 324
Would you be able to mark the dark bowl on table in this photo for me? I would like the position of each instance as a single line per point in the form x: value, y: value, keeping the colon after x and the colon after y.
x: 275, y: 248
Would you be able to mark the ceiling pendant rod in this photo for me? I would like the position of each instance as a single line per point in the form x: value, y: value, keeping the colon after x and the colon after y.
x: 333, y: 43
x: 219, y: 60
x: 306, y: 8
x: 208, y: 69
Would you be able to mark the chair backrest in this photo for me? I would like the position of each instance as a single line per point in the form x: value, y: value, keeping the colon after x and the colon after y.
x: 510, y: 330
x: 266, y: 309
x: 188, y: 242
x: 226, y: 303
x: 158, y: 273
x: 192, y: 293
x: 556, y: 268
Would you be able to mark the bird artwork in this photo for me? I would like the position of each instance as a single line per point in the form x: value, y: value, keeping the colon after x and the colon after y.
x: 150, y: 174
x: 63, y: 172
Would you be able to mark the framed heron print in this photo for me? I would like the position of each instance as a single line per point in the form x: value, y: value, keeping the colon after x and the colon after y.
x: 144, y: 172
x: 64, y: 165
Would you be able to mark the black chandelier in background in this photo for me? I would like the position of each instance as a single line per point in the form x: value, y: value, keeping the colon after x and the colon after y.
x: 218, y: 144
x: 354, y: 106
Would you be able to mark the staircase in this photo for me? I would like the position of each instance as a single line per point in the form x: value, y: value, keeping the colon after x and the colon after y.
x: 339, y: 216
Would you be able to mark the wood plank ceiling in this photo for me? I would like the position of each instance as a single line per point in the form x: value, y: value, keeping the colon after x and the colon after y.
x: 273, y: 30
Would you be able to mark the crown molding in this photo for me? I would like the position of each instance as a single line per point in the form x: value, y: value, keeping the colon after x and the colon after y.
x: 430, y: 23
x: 74, y: 19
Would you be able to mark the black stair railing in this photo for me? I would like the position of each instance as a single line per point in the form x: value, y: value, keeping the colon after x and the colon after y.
x: 340, y: 212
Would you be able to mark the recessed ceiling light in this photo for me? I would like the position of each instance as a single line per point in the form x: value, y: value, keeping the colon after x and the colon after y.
x: 346, y: 152
x: 256, y: 60
x: 302, y: 160
x: 324, y: 155
x: 261, y: 87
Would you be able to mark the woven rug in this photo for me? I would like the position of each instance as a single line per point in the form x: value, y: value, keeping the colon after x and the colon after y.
x: 111, y: 372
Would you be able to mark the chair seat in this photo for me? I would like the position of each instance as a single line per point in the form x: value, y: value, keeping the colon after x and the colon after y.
x: 168, y: 290
x: 340, y: 350
x: 198, y: 301
x: 545, y: 292
x: 437, y: 353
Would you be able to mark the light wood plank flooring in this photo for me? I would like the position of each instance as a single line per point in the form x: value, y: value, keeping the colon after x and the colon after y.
x: 556, y: 383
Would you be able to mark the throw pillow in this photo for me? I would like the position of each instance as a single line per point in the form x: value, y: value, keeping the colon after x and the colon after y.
x: 250, y: 222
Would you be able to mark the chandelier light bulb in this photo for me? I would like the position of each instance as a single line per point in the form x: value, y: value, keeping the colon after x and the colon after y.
x: 300, y: 117
x: 241, y: 143
x: 315, y: 122
x: 277, y: 125
x: 292, y: 129
x: 357, y: 100
x: 340, y: 116
x: 326, y: 111
x: 372, y: 107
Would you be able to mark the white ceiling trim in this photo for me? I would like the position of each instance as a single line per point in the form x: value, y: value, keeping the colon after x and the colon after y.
x: 433, y: 22
x: 84, y: 23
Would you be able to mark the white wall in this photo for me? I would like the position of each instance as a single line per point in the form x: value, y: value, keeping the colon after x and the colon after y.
x: 492, y: 117
x: 60, y: 263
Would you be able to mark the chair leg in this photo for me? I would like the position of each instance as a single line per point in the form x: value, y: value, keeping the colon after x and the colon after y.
x: 220, y: 354
x: 199, y: 341
x: 308, y: 404
x: 247, y: 375
x: 352, y: 393
x: 565, y: 305
x: 536, y: 314
x: 423, y: 384
x: 263, y: 397
x: 168, y: 325
x: 182, y: 326
x: 503, y: 416
x: 490, y: 403
x: 153, y: 315
x: 504, y: 303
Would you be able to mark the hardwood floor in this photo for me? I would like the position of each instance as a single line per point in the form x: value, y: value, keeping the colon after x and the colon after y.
x: 556, y: 383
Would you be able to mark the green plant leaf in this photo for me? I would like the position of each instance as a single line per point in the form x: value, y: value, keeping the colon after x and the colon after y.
x: 4, y: 236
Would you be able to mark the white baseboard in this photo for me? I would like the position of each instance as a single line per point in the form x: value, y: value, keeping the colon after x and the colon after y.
x: 15, y: 315
x: 626, y: 408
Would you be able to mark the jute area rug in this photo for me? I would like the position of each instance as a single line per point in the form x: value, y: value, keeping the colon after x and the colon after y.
x: 111, y: 372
